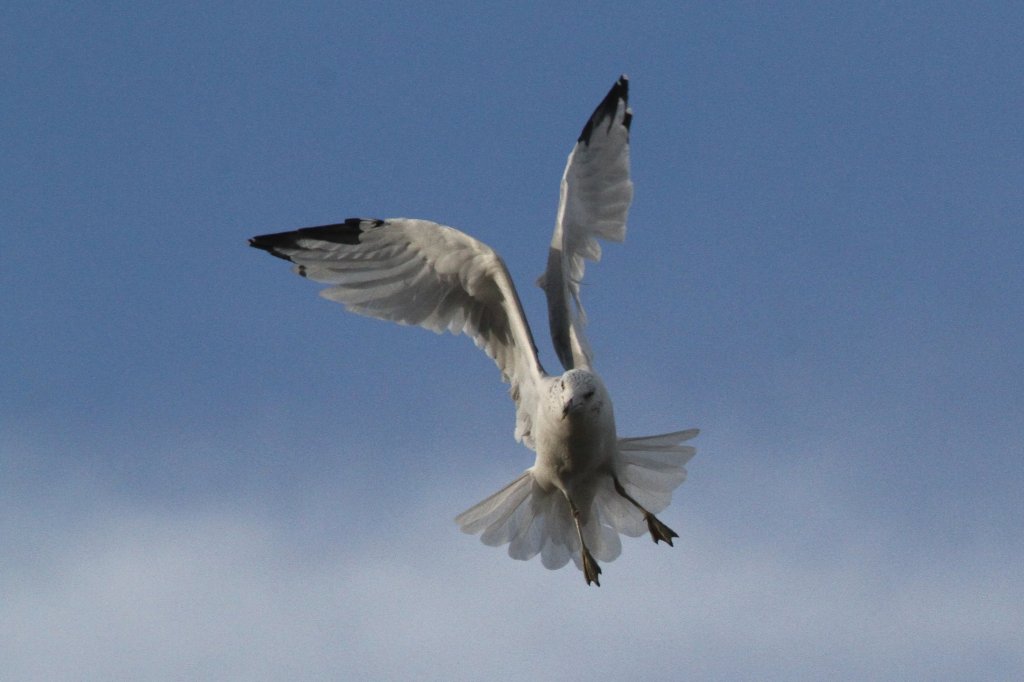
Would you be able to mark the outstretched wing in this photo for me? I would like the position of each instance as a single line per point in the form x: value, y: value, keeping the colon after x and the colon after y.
x: 595, y: 197
x: 418, y: 272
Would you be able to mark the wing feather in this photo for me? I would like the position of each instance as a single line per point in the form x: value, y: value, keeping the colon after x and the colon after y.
x: 421, y: 273
x: 594, y: 201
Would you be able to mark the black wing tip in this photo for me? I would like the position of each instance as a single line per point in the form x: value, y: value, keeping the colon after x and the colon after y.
x: 347, y: 232
x: 608, y: 108
x: 270, y: 243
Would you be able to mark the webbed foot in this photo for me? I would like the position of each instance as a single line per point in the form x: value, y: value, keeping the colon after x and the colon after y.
x: 659, y: 531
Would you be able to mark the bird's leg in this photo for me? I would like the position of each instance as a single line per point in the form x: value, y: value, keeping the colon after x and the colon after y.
x: 659, y: 531
x: 590, y: 568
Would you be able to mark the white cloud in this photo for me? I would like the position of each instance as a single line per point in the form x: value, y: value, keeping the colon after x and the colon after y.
x: 139, y: 591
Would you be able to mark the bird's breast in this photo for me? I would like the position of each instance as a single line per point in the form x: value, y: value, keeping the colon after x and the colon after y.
x: 572, y: 450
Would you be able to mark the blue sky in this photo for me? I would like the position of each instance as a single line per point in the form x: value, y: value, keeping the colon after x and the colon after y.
x: 206, y: 471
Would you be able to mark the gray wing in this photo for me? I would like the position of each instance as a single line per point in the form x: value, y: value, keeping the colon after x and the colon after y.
x: 421, y: 273
x: 595, y: 197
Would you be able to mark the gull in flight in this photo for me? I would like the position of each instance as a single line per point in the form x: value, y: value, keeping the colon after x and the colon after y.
x: 587, y: 485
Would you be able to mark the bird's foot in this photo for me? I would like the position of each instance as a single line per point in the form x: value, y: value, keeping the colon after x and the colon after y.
x: 590, y: 568
x: 659, y: 531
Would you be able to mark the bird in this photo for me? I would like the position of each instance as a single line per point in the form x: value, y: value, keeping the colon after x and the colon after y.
x: 587, y: 485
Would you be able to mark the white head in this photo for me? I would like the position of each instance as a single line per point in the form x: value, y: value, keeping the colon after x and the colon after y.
x: 578, y: 392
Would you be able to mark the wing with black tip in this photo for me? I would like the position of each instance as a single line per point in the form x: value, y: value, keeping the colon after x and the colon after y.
x: 421, y: 273
x: 595, y: 197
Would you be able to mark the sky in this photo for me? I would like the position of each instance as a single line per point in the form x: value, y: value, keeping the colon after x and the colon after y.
x: 209, y: 472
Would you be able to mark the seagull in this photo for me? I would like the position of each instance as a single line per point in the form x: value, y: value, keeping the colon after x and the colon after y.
x: 586, y: 485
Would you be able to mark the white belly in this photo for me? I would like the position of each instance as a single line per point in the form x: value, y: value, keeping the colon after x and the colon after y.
x: 573, y: 452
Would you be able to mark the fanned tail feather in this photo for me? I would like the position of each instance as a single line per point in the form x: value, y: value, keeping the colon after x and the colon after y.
x: 493, y: 514
x: 649, y: 469
x: 533, y: 521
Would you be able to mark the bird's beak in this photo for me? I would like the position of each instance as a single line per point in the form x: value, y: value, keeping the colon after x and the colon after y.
x: 567, y: 408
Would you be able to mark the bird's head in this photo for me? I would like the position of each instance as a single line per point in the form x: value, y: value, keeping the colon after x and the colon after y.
x: 578, y: 391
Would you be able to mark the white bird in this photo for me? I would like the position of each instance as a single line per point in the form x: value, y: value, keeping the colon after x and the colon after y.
x: 587, y: 485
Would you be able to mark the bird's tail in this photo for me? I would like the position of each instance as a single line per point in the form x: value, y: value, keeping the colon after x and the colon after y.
x: 649, y: 469
x: 534, y: 521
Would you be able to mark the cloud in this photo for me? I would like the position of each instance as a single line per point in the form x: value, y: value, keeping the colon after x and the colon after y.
x: 98, y: 587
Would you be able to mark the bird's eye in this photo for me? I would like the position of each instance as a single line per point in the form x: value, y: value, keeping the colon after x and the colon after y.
x: 588, y: 395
